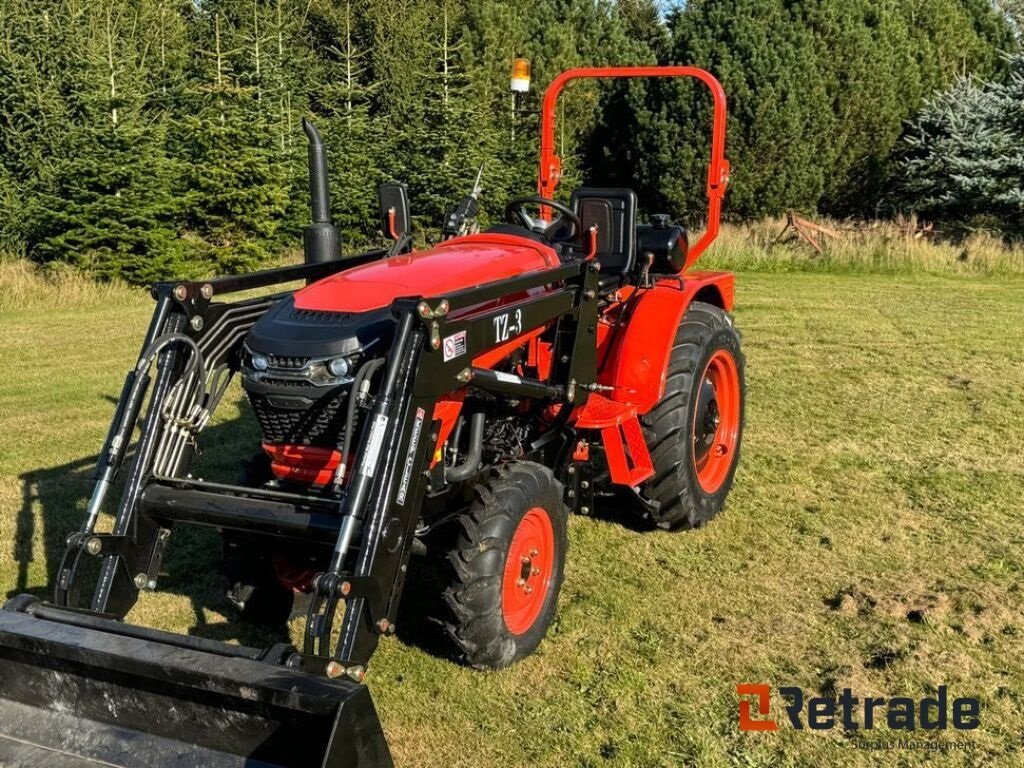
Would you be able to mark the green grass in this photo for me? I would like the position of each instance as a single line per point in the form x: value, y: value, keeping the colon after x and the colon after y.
x: 874, y: 538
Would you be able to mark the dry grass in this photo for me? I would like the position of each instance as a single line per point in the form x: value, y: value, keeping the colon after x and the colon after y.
x: 874, y: 538
x: 24, y: 285
x: 870, y: 247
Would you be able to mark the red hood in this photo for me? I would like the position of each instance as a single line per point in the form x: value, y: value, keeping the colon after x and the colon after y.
x: 464, y: 262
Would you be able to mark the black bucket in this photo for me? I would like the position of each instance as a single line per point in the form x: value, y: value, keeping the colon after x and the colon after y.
x: 80, y: 690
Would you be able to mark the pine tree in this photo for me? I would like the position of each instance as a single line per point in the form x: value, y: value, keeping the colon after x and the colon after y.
x: 144, y: 137
x: 818, y: 93
x: 780, y: 116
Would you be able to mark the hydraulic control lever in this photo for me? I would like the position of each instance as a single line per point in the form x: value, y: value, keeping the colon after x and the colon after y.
x: 461, y: 220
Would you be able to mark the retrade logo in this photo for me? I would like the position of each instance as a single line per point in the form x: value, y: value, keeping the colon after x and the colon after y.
x: 762, y: 694
x: 851, y: 713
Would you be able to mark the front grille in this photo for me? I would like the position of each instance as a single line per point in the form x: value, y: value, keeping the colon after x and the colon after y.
x: 320, y: 315
x: 293, y: 414
x: 287, y: 363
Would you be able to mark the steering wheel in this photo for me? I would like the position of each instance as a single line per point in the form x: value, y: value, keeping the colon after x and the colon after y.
x: 515, y: 213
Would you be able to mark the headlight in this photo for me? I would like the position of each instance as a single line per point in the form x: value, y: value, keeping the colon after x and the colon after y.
x: 339, y: 367
x: 260, y: 363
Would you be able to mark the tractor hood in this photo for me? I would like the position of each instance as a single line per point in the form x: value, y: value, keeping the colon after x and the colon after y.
x: 464, y: 262
x: 350, y: 311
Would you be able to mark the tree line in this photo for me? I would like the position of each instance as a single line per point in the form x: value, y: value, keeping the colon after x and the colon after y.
x: 143, y: 138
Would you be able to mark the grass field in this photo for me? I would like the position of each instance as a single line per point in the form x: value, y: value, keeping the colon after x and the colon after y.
x: 874, y: 538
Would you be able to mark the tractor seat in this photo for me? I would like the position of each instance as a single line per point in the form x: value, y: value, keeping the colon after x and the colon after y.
x: 613, y: 210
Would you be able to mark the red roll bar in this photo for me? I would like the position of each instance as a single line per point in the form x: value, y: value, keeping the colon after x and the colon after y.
x: 718, y: 170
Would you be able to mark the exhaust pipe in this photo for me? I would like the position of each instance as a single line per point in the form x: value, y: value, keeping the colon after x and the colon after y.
x: 321, y: 241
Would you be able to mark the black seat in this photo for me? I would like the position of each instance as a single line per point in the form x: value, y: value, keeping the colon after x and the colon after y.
x: 613, y: 210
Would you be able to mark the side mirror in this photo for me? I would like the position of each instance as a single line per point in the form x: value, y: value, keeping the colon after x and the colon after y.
x: 394, y: 210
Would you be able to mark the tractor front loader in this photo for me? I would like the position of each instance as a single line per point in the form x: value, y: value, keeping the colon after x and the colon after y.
x: 462, y: 399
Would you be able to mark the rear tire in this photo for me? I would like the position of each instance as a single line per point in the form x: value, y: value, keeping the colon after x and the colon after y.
x: 507, y: 566
x: 694, y: 432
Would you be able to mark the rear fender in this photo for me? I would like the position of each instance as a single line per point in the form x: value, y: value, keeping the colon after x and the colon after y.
x: 636, y: 365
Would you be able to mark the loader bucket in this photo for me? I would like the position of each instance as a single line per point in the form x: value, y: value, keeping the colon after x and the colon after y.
x: 81, y: 690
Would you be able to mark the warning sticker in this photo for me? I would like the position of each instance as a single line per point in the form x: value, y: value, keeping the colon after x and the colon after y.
x: 373, y: 445
x: 508, y: 378
x: 454, y: 346
x: 414, y: 444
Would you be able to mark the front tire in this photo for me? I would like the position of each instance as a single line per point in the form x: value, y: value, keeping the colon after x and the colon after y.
x: 507, y: 566
x: 694, y: 432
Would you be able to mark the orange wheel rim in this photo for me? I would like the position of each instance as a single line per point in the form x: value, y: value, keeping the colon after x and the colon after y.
x: 528, y: 570
x: 716, y: 421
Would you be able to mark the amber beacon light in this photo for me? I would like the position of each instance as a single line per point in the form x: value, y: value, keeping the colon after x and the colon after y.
x: 520, y: 76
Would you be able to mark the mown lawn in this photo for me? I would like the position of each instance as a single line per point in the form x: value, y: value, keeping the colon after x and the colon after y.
x: 874, y: 539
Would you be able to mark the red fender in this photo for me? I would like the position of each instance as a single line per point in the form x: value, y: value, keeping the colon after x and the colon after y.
x: 636, y: 365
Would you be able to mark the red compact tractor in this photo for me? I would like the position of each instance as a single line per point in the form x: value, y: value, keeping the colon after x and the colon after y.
x: 462, y: 399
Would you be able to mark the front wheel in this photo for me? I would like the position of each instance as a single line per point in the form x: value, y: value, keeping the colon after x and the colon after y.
x: 507, y: 566
x: 694, y: 432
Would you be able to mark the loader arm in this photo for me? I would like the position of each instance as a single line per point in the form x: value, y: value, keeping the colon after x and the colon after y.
x: 718, y: 168
x: 395, y: 465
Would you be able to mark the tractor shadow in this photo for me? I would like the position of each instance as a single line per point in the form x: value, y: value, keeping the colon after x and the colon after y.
x: 419, y: 622
x: 53, y: 506
x: 617, y: 508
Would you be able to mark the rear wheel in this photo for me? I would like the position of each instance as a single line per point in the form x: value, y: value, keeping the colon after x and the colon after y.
x: 508, y: 564
x: 694, y: 432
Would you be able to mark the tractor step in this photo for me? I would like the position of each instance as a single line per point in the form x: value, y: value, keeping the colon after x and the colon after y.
x: 629, y: 460
x: 78, y: 690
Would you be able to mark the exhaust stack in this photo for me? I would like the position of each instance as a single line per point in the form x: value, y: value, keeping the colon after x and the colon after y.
x: 321, y: 241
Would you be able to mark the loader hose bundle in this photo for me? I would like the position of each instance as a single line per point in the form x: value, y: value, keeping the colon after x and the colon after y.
x: 189, y: 403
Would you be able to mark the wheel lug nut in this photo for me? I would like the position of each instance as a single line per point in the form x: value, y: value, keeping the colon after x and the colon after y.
x: 524, y: 560
x: 521, y: 583
x: 528, y: 589
x: 535, y: 571
x: 534, y: 553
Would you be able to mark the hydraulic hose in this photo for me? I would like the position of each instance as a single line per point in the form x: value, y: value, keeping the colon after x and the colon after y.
x: 364, y: 374
x: 473, y: 456
x: 127, y: 412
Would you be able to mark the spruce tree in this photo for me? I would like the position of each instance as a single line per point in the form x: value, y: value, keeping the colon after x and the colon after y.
x: 109, y: 204
x: 443, y: 146
x: 238, y: 192
x: 964, y: 154
x: 36, y: 53
x: 356, y: 143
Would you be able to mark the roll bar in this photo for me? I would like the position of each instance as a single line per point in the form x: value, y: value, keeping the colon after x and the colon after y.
x: 718, y: 170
